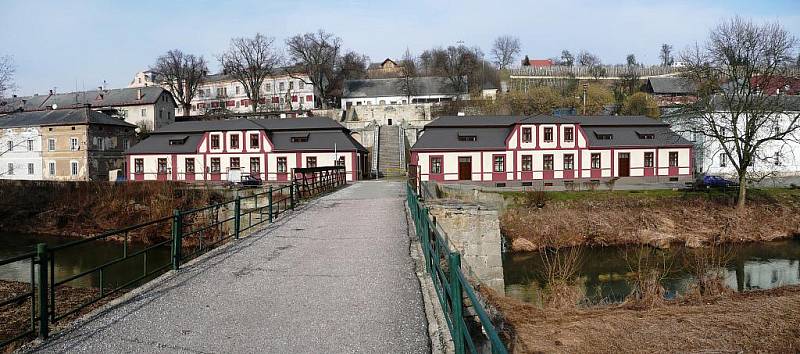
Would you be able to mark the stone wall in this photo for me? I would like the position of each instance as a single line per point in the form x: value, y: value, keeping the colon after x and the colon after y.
x: 473, y: 231
x: 383, y: 113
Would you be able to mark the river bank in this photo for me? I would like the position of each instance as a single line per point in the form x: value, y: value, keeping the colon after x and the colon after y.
x: 81, y: 209
x: 660, y: 218
x: 757, y: 321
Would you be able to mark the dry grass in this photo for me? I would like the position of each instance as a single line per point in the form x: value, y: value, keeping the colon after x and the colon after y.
x: 760, y: 321
x: 616, y: 219
x: 648, y: 268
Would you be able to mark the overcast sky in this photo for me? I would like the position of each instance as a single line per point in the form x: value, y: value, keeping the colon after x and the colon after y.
x: 69, y: 44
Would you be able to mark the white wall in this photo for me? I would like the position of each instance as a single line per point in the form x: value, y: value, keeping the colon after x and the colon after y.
x: 20, y: 156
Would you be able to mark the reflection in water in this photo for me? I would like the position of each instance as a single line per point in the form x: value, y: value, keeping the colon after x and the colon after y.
x: 603, y: 271
x: 74, y: 260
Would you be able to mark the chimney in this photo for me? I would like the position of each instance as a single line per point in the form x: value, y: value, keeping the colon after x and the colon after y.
x: 138, y: 94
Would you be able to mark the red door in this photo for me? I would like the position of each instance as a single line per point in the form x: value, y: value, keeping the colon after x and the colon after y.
x: 464, y: 168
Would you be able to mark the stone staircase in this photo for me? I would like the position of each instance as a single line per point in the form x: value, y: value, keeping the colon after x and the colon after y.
x: 390, y: 162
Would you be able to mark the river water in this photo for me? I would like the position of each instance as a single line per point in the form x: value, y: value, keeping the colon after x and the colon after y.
x: 74, y: 260
x: 602, y: 271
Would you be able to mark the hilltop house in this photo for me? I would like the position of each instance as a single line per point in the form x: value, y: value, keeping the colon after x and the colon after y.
x: 65, y: 144
x: 225, y: 150
x: 151, y: 106
x: 518, y: 150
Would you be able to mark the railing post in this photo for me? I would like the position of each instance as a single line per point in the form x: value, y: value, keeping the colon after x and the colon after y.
x: 454, y: 262
x: 269, y: 200
x: 427, y: 239
x: 237, y: 222
x: 177, y: 234
x: 291, y: 194
x: 41, y: 260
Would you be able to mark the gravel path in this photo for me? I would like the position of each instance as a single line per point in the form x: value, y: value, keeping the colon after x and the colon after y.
x: 335, y: 276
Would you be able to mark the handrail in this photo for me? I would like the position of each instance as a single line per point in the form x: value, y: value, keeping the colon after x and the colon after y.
x: 450, y: 283
x: 188, y: 234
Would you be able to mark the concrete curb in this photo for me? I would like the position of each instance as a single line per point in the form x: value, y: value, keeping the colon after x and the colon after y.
x: 438, y: 331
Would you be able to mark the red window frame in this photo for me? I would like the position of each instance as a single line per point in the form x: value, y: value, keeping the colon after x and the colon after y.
x: 215, y: 141
x: 649, y: 159
x: 596, y: 156
x: 281, y: 164
x: 502, y: 160
x: 235, y: 141
x: 569, y: 134
x: 548, y: 134
x: 215, y: 165
x: 548, y: 162
x: 527, y: 134
x: 255, y: 165
x: 440, y: 166
x: 255, y: 141
x: 189, y: 164
x: 527, y: 163
x: 673, y: 159
x: 138, y: 165
x: 311, y: 161
x: 569, y: 162
x: 235, y: 162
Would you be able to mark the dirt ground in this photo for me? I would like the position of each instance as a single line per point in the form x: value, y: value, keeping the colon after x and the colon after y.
x: 15, y: 318
x: 659, y: 219
x: 754, y: 322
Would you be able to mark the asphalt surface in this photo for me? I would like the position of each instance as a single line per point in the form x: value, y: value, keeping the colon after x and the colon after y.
x: 333, y: 277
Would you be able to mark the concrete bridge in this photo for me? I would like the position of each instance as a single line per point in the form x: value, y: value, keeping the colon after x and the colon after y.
x: 334, y: 276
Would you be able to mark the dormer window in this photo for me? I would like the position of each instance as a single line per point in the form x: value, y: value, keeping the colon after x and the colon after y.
x: 178, y: 141
x: 646, y: 136
x: 465, y: 137
x: 600, y: 136
x: 300, y: 139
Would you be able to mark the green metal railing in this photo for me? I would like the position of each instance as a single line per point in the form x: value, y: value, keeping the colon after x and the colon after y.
x: 187, y: 234
x: 444, y: 267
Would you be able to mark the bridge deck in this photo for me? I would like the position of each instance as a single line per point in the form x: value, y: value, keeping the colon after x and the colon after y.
x: 335, y: 276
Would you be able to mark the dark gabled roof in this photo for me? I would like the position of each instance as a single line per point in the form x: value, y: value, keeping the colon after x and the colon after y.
x: 160, y: 144
x: 325, y: 140
x: 427, y: 85
x: 609, y: 120
x: 298, y: 123
x: 200, y: 126
x: 95, y: 98
x: 632, y: 136
x: 60, y: 117
x: 448, y: 138
x: 475, y: 121
x: 670, y: 85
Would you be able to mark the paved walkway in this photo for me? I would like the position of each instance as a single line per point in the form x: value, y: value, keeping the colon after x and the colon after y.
x: 335, y: 276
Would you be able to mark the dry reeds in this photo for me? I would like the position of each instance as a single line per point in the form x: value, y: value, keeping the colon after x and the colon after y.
x: 648, y: 267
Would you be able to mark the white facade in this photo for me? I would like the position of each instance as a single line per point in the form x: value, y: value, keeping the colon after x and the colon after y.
x: 21, y: 153
x: 278, y: 93
x: 393, y: 100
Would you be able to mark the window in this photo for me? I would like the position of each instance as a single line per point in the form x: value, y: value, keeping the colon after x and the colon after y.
x: 547, y: 164
x: 51, y: 144
x: 646, y: 136
x: 569, y: 161
x: 595, y: 160
x: 301, y: 84
x: 548, y: 135
x: 268, y: 87
x: 467, y: 137
x: 340, y: 161
x: 673, y: 159
x: 526, y: 135
x: 10, y: 168
x: 73, y: 144
x: 162, y: 165
x: 569, y: 134
x: 291, y: 85
x: 143, y: 112
x: 281, y: 165
x: 126, y: 144
x: 300, y: 139
x: 30, y: 168
x: 234, y: 162
x: 723, y: 160
x: 436, y: 165
x: 215, y: 166
x: 215, y: 141
x: 499, y: 164
x: 311, y: 161
x: 234, y: 141
x: 254, y: 141
x: 138, y: 165
x: 10, y: 146
x: 527, y: 162
x: 255, y: 165
x: 189, y: 165
x: 30, y: 145
x: 51, y: 168
x: 648, y: 159
x: 604, y: 136
x: 281, y: 86
x: 74, y: 168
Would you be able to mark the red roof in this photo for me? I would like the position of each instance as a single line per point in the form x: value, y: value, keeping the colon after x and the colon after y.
x: 771, y: 85
x: 540, y: 63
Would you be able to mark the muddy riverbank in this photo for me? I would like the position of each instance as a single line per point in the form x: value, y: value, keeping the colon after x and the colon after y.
x: 655, y: 218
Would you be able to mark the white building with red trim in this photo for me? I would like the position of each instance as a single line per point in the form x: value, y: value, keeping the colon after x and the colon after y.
x: 226, y: 150
x: 517, y: 150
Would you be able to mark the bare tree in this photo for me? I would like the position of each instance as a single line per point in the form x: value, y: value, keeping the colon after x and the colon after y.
x: 630, y: 60
x: 6, y: 74
x: 408, y: 72
x: 588, y: 59
x: 666, y: 55
x: 350, y: 66
x: 182, y: 74
x: 316, y: 54
x: 250, y: 61
x: 566, y: 58
x: 460, y: 64
x: 732, y: 70
x: 504, y: 50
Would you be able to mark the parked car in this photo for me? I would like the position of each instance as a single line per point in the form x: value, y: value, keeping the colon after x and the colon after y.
x: 717, y: 182
x: 250, y: 181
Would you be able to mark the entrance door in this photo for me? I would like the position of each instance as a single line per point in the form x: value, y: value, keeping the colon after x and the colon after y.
x: 624, y: 165
x: 464, y: 168
x: 390, y: 121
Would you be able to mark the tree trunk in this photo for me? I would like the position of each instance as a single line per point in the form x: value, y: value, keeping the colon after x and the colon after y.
x: 740, y: 202
x: 187, y: 107
x: 254, y: 103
